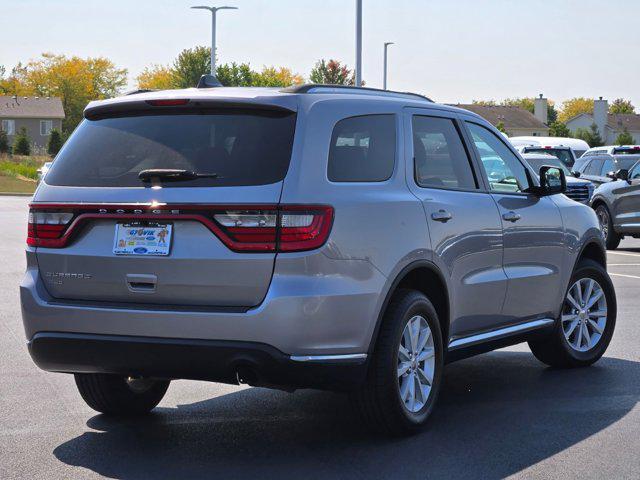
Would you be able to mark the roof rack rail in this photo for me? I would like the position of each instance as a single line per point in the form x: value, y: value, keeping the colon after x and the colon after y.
x: 329, y: 88
x: 139, y: 90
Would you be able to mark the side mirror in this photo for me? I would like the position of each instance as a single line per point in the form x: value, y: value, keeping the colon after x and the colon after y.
x: 552, y: 181
x: 611, y: 175
x: 575, y: 174
x: 622, y: 174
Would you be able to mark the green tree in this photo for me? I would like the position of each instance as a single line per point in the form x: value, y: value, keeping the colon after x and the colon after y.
x: 22, y: 144
x: 500, y: 126
x: 4, y: 142
x: 620, y: 105
x: 190, y: 65
x: 234, y: 75
x: 625, y: 138
x: 55, y: 142
x: 558, y: 129
x: 332, y: 73
x: 590, y: 135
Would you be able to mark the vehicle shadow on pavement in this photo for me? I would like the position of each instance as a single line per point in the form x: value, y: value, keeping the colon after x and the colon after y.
x: 498, y: 414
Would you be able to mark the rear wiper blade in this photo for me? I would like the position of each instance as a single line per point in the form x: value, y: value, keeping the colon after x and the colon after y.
x: 172, y: 174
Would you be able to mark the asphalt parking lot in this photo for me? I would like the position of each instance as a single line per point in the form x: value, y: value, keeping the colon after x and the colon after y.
x: 500, y: 415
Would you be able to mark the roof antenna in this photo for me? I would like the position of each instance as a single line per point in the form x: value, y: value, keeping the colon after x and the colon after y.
x: 208, y: 81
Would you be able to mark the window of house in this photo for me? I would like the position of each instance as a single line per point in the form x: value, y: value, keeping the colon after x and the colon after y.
x: 45, y: 127
x: 9, y: 126
x: 363, y: 149
x: 440, y: 159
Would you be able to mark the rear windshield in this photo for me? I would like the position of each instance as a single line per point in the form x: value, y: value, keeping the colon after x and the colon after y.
x: 564, y: 155
x: 241, y: 147
x: 626, y: 151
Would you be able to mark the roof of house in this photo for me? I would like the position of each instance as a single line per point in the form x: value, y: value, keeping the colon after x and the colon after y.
x: 510, y: 116
x: 31, y: 107
x: 618, y: 121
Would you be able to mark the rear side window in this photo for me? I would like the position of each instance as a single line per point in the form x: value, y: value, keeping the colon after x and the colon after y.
x: 440, y: 158
x: 241, y: 147
x: 363, y: 149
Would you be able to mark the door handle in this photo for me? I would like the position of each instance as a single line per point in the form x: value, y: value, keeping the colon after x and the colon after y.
x: 441, y: 216
x: 511, y: 216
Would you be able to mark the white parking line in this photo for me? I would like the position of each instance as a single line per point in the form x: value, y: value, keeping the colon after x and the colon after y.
x: 623, y: 264
x: 626, y: 276
x: 624, y: 253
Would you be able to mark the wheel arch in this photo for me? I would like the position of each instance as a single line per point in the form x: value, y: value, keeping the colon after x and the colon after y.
x: 425, y: 277
x: 592, y: 250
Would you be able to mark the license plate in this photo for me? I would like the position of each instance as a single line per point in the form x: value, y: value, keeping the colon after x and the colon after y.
x: 138, y: 239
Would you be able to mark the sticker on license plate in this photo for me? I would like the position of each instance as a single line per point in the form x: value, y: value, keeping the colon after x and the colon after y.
x: 138, y: 239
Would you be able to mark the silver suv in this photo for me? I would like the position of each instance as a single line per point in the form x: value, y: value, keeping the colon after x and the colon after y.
x: 311, y: 237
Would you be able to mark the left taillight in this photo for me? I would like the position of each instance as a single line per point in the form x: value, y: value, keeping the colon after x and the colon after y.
x: 47, y: 228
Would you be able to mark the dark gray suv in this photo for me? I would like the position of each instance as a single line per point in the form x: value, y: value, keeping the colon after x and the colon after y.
x: 617, y: 204
x: 312, y: 237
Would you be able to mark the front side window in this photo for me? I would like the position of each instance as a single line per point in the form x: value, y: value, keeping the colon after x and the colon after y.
x: 635, y: 172
x: 363, y: 149
x: 607, y: 166
x: 503, y: 169
x: 9, y: 126
x: 45, y: 127
x: 440, y: 159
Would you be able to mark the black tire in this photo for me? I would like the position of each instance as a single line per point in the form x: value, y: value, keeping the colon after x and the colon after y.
x: 555, y: 350
x: 612, y: 239
x: 378, y: 402
x: 114, y: 395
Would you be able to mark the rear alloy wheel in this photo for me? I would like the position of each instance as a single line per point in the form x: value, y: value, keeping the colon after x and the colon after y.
x: 405, y: 370
x: 611, y: 238
x: 118, y: 395
x: 416, y: 364
x: 586, y: 323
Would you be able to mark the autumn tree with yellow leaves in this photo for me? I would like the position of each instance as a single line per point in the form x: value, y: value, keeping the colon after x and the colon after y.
x: 75, y: 80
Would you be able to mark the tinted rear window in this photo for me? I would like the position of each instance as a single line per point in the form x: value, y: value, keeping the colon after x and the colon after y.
x: 564, y: 155
x: 362, y: 149
x: 242, y: 148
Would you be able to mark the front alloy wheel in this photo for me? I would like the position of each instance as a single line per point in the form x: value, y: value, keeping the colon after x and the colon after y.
x: 584, y: 315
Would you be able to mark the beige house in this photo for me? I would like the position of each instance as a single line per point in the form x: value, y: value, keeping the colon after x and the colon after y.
x: 39, y: 115
x: 517, y: 121
x: 610, y: 125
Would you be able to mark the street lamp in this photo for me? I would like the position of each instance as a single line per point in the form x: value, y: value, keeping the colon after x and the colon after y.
x: 213, y: 11
x: 358, y: 43
x: 384, y: 77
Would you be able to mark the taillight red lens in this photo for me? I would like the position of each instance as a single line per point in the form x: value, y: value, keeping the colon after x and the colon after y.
x: 47, y: 228
x: 272, y: 228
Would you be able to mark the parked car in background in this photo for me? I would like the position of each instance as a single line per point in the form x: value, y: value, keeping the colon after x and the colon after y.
x: 309, y: 237
x: 613, y: 150
x: 617, y: 205
x: 596, y: 168
x: 578, y: 189
x: 577, y: 146
x: 564, y: 154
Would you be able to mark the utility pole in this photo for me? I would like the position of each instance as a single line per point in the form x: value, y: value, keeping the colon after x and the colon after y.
x: 213, y: 11
x: 384, y: 75
x: 358, y: 43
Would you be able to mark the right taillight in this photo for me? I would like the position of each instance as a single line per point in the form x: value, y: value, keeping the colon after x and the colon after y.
x: 288, y: 228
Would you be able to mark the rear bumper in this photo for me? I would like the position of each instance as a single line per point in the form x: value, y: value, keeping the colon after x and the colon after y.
x: 219, y: 361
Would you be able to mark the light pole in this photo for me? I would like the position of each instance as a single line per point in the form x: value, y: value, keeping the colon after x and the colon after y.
x: 358, y: 43
x: 384, y: 77
x: 213, y: 11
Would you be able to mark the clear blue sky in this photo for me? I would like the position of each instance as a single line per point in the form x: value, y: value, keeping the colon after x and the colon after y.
x: 451, y: 50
